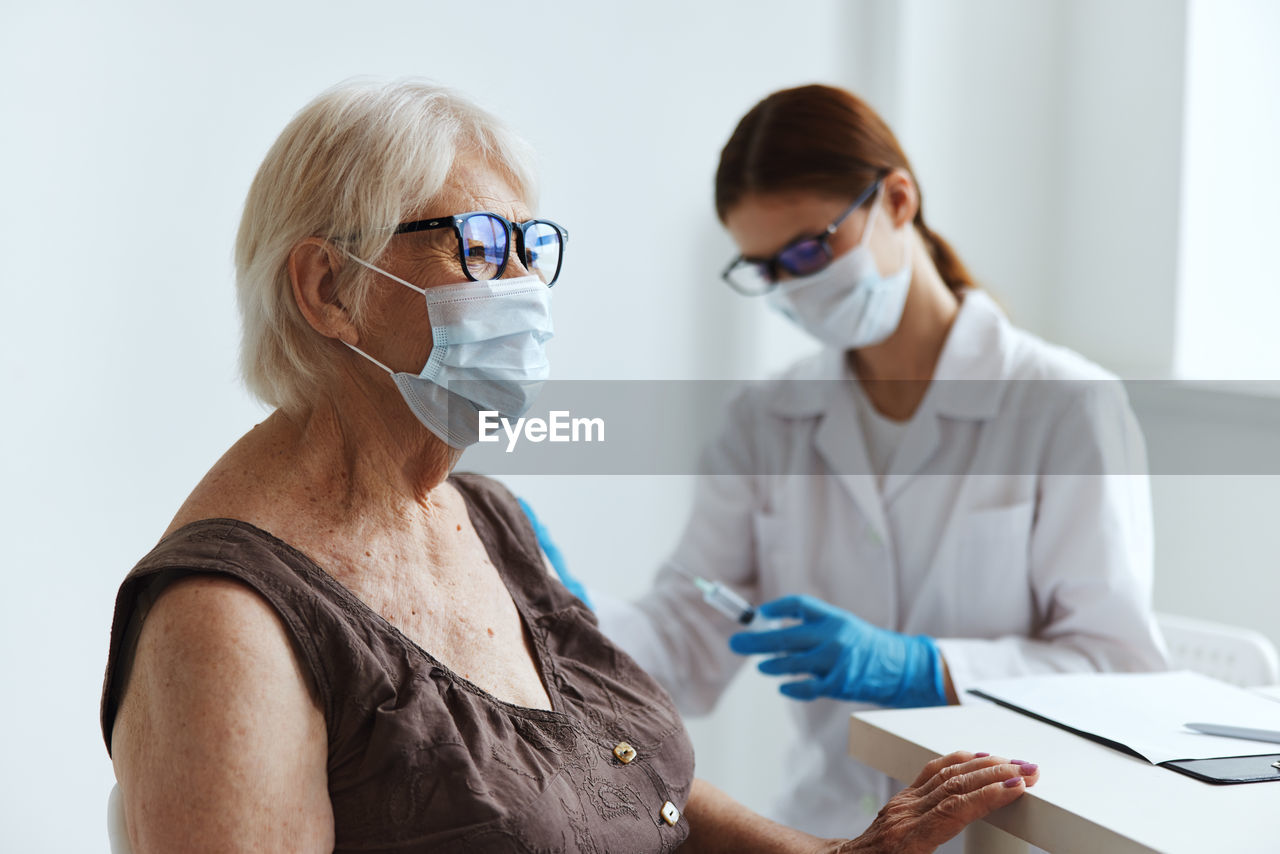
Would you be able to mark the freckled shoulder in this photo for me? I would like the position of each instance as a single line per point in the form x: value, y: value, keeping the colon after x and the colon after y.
x: 216, y: 696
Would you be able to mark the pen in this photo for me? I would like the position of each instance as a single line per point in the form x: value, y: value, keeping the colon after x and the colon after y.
x: 1236, y: 732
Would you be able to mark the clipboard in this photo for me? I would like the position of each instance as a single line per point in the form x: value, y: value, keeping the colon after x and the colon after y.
x: 1223, y: 770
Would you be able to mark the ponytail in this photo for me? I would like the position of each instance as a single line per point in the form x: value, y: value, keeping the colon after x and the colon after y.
x: 954, y: 273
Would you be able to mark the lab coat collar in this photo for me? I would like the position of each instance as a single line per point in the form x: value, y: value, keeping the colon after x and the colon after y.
x: 971, y: 367
x: 967, y: 386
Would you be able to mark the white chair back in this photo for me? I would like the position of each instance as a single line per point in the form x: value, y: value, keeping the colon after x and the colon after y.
x: 117, y: 832
x: 1240, y: 656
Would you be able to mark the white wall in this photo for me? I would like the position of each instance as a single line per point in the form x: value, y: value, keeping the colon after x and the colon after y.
x: 1219, y: 544
x: 1046, y: 140
x: 1114, y: 298
x: 980, y: 115
x: 1045, y: 136
x: 1229, y: 288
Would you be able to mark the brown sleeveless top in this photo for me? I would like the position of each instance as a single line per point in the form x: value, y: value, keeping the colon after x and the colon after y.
x: 420, y: 759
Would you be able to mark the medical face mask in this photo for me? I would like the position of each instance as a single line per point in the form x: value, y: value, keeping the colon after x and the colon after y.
x: 488, y: 354
x: 848, y: 304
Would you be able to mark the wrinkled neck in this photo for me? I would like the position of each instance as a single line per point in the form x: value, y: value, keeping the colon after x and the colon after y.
x: 361, y: 447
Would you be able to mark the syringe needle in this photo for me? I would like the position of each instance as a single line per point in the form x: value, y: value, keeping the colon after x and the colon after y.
x: 686, y: 573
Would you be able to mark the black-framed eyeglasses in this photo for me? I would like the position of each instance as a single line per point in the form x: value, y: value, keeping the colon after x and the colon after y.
x: 484, y: 243
x: 803, y: 256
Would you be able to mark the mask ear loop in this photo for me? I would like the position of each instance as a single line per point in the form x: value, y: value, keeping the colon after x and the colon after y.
x: 393, y: 278
x: 906, y: 243
x: 390, y: 276
x: 871, y: 218
x: 370, y: 358
x: 365, y: 263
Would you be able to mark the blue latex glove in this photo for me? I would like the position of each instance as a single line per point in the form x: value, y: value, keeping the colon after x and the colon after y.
x: 553, y: 554
x: 847, y: 657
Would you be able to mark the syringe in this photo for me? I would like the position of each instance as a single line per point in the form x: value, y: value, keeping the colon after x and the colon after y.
x: 720, y: 597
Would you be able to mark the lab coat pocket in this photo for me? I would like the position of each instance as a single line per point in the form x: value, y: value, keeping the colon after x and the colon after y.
x: 991, y: 577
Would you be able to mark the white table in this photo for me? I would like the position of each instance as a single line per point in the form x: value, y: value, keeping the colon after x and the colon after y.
x: 1090, y: 799
x: 1272, y: 691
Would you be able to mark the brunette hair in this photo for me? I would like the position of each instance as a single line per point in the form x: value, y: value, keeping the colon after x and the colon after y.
x: 825, y: 140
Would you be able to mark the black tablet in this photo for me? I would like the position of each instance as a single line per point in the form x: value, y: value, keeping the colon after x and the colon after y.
x: 1229, y: 769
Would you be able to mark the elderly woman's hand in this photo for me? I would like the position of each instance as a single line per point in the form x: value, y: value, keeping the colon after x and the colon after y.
x: 951, y: 792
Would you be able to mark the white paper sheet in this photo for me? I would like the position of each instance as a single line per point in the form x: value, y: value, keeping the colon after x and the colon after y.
x: 1146, y: 711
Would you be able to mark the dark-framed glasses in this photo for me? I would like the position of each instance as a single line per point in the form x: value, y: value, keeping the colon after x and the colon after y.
x: 484, y: 243
x: 803, y: 256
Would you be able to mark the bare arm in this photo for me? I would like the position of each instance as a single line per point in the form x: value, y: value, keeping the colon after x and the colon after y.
x: 718, y: 823
x: 218, y: 744
x: 951, y: 792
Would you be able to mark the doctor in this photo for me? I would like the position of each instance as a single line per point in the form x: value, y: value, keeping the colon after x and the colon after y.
x: 922, y: 530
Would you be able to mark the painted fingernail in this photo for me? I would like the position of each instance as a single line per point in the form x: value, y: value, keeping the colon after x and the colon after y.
x: 1012, y: 781
x: 1027, y: 769
x: 980, y: 755
x: 1019, y: 762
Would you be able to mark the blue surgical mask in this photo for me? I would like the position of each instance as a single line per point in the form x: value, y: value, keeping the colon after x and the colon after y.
x: 488, y: 353
x: 848, y: 304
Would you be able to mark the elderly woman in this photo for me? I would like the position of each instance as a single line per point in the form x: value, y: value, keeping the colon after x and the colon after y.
x: 337, y: 644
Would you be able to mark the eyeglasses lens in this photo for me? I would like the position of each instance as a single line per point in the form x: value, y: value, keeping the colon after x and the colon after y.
x: 750, y: 277
x: 543, y: 249
x: 484, y: 242
x: 804, y: 258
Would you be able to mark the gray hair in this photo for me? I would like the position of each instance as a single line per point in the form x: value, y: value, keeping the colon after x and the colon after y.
x: 349, y: 167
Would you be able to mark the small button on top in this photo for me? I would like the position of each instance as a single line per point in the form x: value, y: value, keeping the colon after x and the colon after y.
x: 670, y: 814
x: 624, y: 752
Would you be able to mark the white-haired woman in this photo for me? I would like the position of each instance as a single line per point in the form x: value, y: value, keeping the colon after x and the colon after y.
x: 337, y: 645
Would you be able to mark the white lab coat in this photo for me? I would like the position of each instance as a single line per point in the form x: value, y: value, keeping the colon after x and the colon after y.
x: 1014, y: 528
